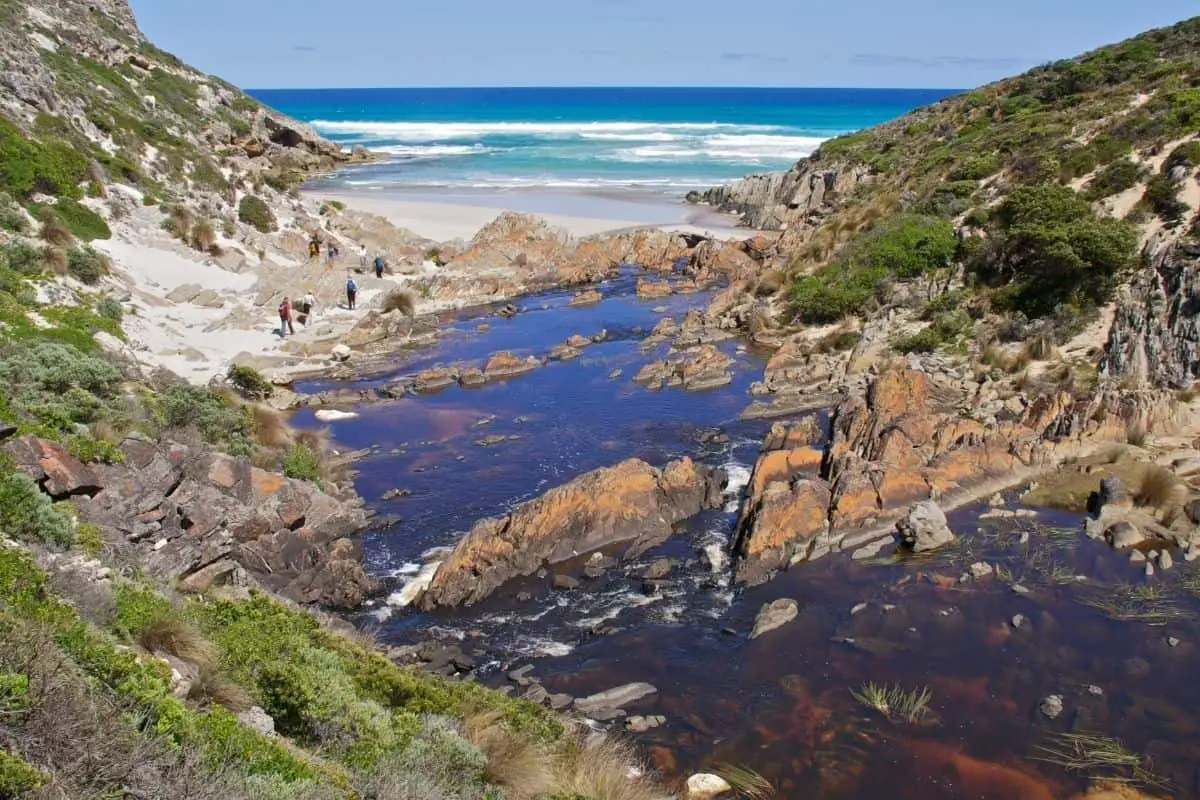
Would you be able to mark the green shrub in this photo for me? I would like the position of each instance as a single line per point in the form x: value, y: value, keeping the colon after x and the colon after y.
x: 89, y: 539
x: 302, y: 463
x: 1162, y: 196
x: 26, y: 513
x: 218, y: 421
x: 249, y: 382
x: 110, y: 308
x: 89, y: 449
x: 1114, y: 179
x: 86, y: 265
x: 925, y: 341
x: 22, y: 258
x: 11, y: 217
x: 253, y: 211
x: 976, y: 168
x: 1186, y: 155
x: 29, y: 165
x: 1047, y: 249
x: 17, y: 777
x: 206, y: 174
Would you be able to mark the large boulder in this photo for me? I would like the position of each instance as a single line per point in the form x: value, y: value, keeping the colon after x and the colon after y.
x: 924, y: 527
x: 631, y: 504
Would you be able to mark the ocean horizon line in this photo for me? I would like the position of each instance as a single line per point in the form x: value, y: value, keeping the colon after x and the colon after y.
x: 607, y: 87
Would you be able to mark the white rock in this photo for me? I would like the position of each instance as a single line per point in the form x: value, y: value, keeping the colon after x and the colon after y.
x: 340, y: 352
x: 333, y: 415
x: 703, y: 786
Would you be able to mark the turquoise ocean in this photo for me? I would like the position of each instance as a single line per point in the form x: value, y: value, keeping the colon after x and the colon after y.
x: 663, y: 141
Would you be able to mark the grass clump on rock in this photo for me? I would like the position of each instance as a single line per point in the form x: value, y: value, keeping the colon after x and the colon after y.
x: 249, y: 382
x: 399, y: 300
x: 302, y: 463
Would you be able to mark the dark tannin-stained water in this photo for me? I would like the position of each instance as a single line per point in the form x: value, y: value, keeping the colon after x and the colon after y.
x: 1053, y: 620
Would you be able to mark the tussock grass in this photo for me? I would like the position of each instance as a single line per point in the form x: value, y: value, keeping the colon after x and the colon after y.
x: 526, y: 769
x: 179, y: 638
x: 213, y: 687
x: 1040, y: 347
x: 270, y: 428
x: 54, y: 231
x: 1159, y: 488
x: 602, y: 772
x: 1136, y: 434
x: 894, y: 702
x: 770, y: 283
x: 1099, y: 758
x: 746, y: 782
x: 399, y: 300
x: 54, y: 259
x: 202, y: 236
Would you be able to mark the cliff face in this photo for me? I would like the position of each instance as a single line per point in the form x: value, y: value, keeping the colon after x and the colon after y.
x: 83, y: 72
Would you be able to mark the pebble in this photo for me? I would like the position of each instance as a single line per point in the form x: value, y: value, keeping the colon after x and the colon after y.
x: 1024, y: 537
x: 1149, y: 569
x: 1018, y: 620
x: 1020, y: 589
x: 1172, y: 641
x: 888, y: 607
x: 1137, y: 557
x: 858, y: 609
x: 981, y: 569
x: 996, y: 501
x: 1051, y: 706
x: 1095, y: 690
x: 1192, y: 554
x: 1165, y: 561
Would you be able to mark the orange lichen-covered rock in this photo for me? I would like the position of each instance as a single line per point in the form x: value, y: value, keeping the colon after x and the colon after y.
x: 632, y: 503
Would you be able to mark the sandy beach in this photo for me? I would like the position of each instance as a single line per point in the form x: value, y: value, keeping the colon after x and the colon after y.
x: 447, y: 217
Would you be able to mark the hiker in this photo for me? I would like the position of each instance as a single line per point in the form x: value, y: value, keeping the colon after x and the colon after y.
x: 309, y: 306
x: 351, y: 292
x: 379, y: 266
x: 362, y: 256
x: 314, y: 249
x: 285, y: 318
x: 331, y: 251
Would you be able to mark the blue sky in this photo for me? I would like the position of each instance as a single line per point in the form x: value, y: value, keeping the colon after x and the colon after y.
x: 911, y: 43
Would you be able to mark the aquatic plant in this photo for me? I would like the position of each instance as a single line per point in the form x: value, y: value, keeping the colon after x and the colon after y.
x: 894, y: 702
x: 1148, y: 602
x: 1099, y: 758
x: 745, y: 782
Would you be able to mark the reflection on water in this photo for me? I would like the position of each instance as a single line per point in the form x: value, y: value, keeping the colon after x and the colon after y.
x: 989, y: 650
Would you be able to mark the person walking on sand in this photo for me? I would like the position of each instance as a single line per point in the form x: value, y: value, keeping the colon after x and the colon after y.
x: 362, y: 256
x: 351, y: 293
x: 285, y: 318
x: 379, y: 266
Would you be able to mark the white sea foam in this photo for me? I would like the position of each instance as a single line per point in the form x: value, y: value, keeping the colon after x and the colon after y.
x: 439, y: 131
x: 414, y: 585
x: 533, y: 647
x: 414, y: 151
x: 723, y: 147
x: 738, y: 477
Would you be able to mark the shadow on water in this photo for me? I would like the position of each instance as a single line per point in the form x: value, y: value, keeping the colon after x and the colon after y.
x: 988, y: 649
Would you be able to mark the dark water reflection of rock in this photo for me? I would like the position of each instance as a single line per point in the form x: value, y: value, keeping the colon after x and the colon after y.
x: 780, y: 705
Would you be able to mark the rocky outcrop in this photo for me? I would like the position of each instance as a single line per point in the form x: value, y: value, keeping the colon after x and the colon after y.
x: 632, y: 505
x: 1155, y: 337
x: 199, y: 519
x: 778, y: 199
x: 913, y: 436
x: 705, y: 368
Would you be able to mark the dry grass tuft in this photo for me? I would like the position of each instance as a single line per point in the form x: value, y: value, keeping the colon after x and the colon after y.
x: 770, y: 283
x: 202, y: 236
x: 54, y: 230
x: 1137, y: 433
x: 602, y: 772
x: 1040, y: 347
x: 270, y: 428
x: 212, y: 687
x: 399, y: 300
x: 1160, y: 488
x: 179, y: 638
x: 746, y: 782
x: 524, y: 768
x: 54, y: 259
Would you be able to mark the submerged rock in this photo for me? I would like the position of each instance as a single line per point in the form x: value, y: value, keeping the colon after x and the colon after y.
x: 1051, y: 706
x: 632, y: 504
x: 924, y: 528
x: 613, y: 699
x: 774, y: 615
x: 1123, y: 535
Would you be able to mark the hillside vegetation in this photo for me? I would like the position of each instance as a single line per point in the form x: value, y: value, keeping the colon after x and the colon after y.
x: 1031, y: 194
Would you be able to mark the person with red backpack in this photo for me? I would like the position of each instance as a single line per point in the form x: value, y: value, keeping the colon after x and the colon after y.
x: 285, y: 318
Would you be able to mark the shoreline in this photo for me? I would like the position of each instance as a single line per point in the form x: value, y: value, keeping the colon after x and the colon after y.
x: 447, y: 216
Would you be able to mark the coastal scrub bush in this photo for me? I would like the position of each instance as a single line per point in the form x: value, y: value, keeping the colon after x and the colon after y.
x: 254, y: 211
x: 1115, y: 178
x: 249, y: 382
x: 202, y: 237
x: 29, y: 165
x: 1186, y: 155
x: 110, y: 308
x: 1162, y: 197
x: 17, y: 776
x: 86, y: 265
x: 1046, y: 248
x: 302, y: 463
x: 216, y: 420
x: 28, y: 514
x: 208, y: 175
x: 22, y: 258
x: 904, y: 246
x: 11, y: 217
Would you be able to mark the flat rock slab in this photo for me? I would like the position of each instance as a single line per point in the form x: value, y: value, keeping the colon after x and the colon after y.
x: 774, y: 615
x: 613, y: 699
